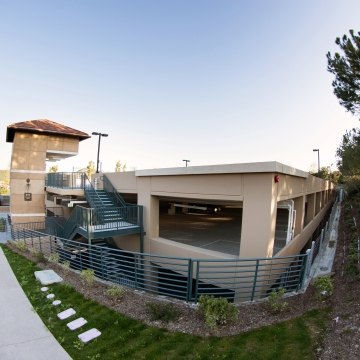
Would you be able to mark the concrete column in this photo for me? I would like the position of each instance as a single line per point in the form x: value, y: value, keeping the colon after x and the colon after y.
x: 185, y: 210
x: 151, y: 211
x: 310, y: 208
x: 172, y: 210
x: 27, y: 178
x: 259, y: 216
x: 299, y: 206
x: 317, y: 202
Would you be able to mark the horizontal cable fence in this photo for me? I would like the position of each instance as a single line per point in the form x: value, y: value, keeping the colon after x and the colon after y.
x: 237, y: 280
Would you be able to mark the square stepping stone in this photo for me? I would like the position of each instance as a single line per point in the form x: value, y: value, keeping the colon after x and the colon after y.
x: 89, y: 335
x: 66, y: 313
x: 76, y: 323
x: 47, y: 277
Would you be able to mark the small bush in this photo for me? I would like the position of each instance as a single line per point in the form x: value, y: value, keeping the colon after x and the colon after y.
x: 39, y: 257
x: 352, y: 184
x: 66, y: 266
x: 351, y: 266
x: 88, y: 276
x: 21, y: 245
x: 54, y: 258
x: 216, y: 311
x: 161, y: 311
x: 324, y: 286
x: 115, y: 292
x: 276, y: 302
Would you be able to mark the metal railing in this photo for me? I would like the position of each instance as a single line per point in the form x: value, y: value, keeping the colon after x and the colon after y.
x: 67, y: 180
x: 92, y: 220
x: 90, y: 199
x: 108, y: 186
x: 183, y: 278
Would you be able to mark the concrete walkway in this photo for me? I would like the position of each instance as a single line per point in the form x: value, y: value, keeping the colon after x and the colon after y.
x: 23, y: 336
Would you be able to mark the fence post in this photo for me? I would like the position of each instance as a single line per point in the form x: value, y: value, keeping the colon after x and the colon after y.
x: 321, y: 239
x: 40, y: 244
x: 312, y: 252
x: 136, y: 270
x: 308, y: 262
x: 255, y: 280
x: 197, y: 280
x: 189, y: 281
x: 102, y: 263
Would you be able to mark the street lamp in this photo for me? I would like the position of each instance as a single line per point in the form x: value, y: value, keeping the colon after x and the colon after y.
x: 186, y: 162
x: 98, y: 152
x: 318, y: 151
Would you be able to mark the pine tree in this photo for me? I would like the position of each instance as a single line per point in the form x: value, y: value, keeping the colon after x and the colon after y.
x: 346, y: 68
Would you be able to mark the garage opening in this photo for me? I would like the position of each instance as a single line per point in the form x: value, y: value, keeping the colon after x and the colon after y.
x: 213, y: 226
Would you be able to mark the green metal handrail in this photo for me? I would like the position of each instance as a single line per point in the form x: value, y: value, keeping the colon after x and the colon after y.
x: 108, y: 186
x: 237, y: 280
x: 66, y: 180
x: 91, y: 220
x: 89, y: 186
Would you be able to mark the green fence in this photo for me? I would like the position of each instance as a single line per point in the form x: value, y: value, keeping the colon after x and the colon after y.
x: 67, y: 180
x: 238, y: 280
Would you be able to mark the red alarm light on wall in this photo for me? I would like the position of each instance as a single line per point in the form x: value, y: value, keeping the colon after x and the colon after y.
x: 276, y: 178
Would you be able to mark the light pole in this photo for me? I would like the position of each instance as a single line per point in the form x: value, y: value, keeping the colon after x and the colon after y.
x: 186, y: 162
x: 318, y: 151
x: 98, y: 152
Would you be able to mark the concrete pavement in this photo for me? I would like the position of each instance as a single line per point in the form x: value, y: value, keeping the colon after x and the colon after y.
x: 23, y: 336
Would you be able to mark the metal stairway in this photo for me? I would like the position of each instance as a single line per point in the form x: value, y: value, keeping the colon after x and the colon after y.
x: 105, y: 203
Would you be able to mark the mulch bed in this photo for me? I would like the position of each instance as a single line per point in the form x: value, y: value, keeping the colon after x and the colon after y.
x: 133, y: 304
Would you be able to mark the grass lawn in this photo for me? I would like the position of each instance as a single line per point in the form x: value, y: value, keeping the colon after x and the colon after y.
x: 124, y: 338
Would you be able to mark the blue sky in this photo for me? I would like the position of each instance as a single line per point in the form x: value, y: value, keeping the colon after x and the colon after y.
x: 215, y: 82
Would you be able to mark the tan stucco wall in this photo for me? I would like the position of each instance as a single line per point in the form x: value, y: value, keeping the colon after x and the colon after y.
x: 259, y: 216
x: 126, y: 181
x: 167, y: 247
x: 28, y: 161
x: 129, y: 243
x: 257, y: 192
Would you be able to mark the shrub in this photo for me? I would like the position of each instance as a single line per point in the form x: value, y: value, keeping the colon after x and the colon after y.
x: 116, y: 292
x: 276, y: 302
x: 324, y: 286
x: 352, y: 184
x: 216, y: 311
x: 54, y: 258
x: 39, y: 257
x: 352, y: 266
x: 161, y: 311
x: 66, y: 266
x: 88, y: 276
x: 21, y: 245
